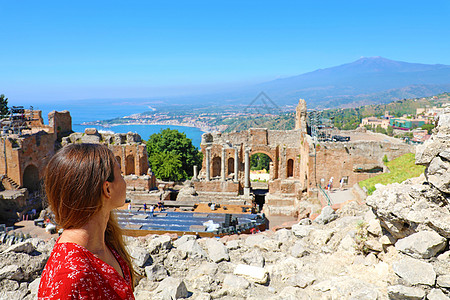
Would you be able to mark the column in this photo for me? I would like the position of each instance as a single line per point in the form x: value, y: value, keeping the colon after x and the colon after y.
x: 222, y: 171
x: 236, y: 164
x: 247, y: 173
x: 195, y: 177
x: 208, y: 164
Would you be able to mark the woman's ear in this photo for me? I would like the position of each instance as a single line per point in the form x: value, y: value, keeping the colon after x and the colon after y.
x: 106, y: 189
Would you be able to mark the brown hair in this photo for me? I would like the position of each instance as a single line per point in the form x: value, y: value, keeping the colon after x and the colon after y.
x: 73, y: 184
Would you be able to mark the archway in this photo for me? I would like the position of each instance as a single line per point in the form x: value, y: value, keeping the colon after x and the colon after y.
x: 31, y: 178
x: 290, y: 168
x: 129, y: 165
x: 216, y: 165
x: 230, y: 166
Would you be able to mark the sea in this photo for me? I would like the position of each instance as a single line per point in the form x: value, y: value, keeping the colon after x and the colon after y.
x: 88, y: 112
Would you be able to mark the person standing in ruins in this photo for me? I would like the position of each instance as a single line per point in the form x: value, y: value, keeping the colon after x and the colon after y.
x: 83, y: 184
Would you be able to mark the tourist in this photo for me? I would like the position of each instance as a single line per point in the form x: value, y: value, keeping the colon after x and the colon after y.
x: 160, y: 206
x: 83, y: 185
x: 341, y: 183
x: 145, y: 207
x: 129, y: 208
x: 152, y: 208
x: 330, y: 184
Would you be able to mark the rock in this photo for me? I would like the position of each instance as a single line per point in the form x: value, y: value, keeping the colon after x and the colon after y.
x: 233, y: 244
x: 374, y: 227
x: 302, y: 280
x: 13, y: 272
x: 254, y: 274
x: 24, y: 247
x: 415, y: 271
x: 305, y: 221
x: 254, y: 258
x: 374, y: 245
x: 401, y: 292
x: 444, y: 256
x: 162, y: 242
x: 33, y: 287
x: 233, y: 282
x: 443, y: 281
x: 217, y: 252
x: 156, y: 272
x: 140, y: 256
x: 320, y: 237
x: 255, y: 240
x: 192, y: 248
x: 301, y: 230
x: 326, y: 216
x: 387, y: 239
x: 91, y: 131
x: 293, y: 293
x: 438, y: 174
x: 201, y: 296
x: 172, y: 287
x: 437, y: 294
x: 423, y: 244
x: 283, y: 235
x: 299, y: 250
x: 183, y: 239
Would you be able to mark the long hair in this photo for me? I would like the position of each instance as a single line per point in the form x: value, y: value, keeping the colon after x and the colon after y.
x: 73, y: 184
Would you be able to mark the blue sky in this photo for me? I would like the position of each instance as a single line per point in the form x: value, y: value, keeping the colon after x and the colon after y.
x: 61, y: 50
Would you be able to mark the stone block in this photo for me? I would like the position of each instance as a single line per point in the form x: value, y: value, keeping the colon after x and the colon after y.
x: 401, y: 292
x: 254, y: 274
x: 423, y: 244
x: 174, y: 288
x: 217, y: 251
x: 415, y: 271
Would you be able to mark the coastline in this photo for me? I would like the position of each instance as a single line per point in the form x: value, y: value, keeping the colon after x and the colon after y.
x: 204, y: 129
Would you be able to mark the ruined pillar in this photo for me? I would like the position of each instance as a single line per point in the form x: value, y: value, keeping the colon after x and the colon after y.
x: 208, y: 164
x: 222, y: 169
x: 247, y: 173
x: 236, y: 164
x: 195, y: 177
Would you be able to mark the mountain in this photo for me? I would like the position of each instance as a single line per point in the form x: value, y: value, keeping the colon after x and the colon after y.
x: 369, y: 80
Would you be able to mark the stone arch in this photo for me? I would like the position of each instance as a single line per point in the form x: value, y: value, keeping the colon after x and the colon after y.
x: 270, y: 154
x: 216, y: 166
x: 290, y: 168
x: 31, y: 178
x: 230, y: 165
x: 129, y: 165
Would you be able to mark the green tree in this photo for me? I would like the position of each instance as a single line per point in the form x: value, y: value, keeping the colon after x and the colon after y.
x: 3, y: 105
x: 259, y: 161
x: 428, y: 127
x: 390, y: 130
x: 172, y: 155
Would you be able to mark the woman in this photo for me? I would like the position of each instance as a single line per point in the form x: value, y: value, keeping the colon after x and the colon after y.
x: 89, y: 261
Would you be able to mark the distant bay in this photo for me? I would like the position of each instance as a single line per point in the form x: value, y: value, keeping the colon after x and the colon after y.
x: 81, y: 111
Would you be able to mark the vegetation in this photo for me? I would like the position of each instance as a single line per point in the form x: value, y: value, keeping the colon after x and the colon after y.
x: 350, y: 118
x: 259, y: 161
x: 172, y: 155
x: 3, y: 105
x: 401, y: 168
x: 285, y: 121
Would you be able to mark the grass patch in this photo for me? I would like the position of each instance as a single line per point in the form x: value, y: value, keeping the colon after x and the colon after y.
x: 401, y: 168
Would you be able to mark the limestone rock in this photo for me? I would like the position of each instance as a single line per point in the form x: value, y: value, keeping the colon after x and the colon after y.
x: 302, y: 280
x: 326, y: 216
x: 415, y: 271
x: 13, y: 272
x: 387, y: 239
x: 33, y: 287
x: 301, y: 230
x: 299, y: 250
x: 255, y: 274
x: 217, y: 251
x: 374, y: 227
x: 443, y: 281
x: 234, y: 282
x: 401, y: 292
x: 438, y: 174
x: 292, y: 293
x: 233, y: 244
x: 156, y: 272
x: 437, y: 294
x: 192, y: 248
x: 320, y: 237
x: 24, y: 247
x: 139, y: 256
x: 254, y: 258
x: 183, y: 239
x: 172, y: 287
x: 423, y: 244
x: 162, y: 242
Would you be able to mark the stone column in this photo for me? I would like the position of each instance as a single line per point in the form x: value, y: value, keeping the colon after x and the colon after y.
x: 247, y: 173
x: 222, y: 171
x: 236, y: 164
x: 208, y: 164
x: 195, y: 177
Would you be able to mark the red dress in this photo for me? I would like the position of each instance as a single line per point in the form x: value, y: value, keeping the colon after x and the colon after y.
x: 73, y: 272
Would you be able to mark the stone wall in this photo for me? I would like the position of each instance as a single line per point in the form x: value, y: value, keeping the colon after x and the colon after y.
x: 61, y: 122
